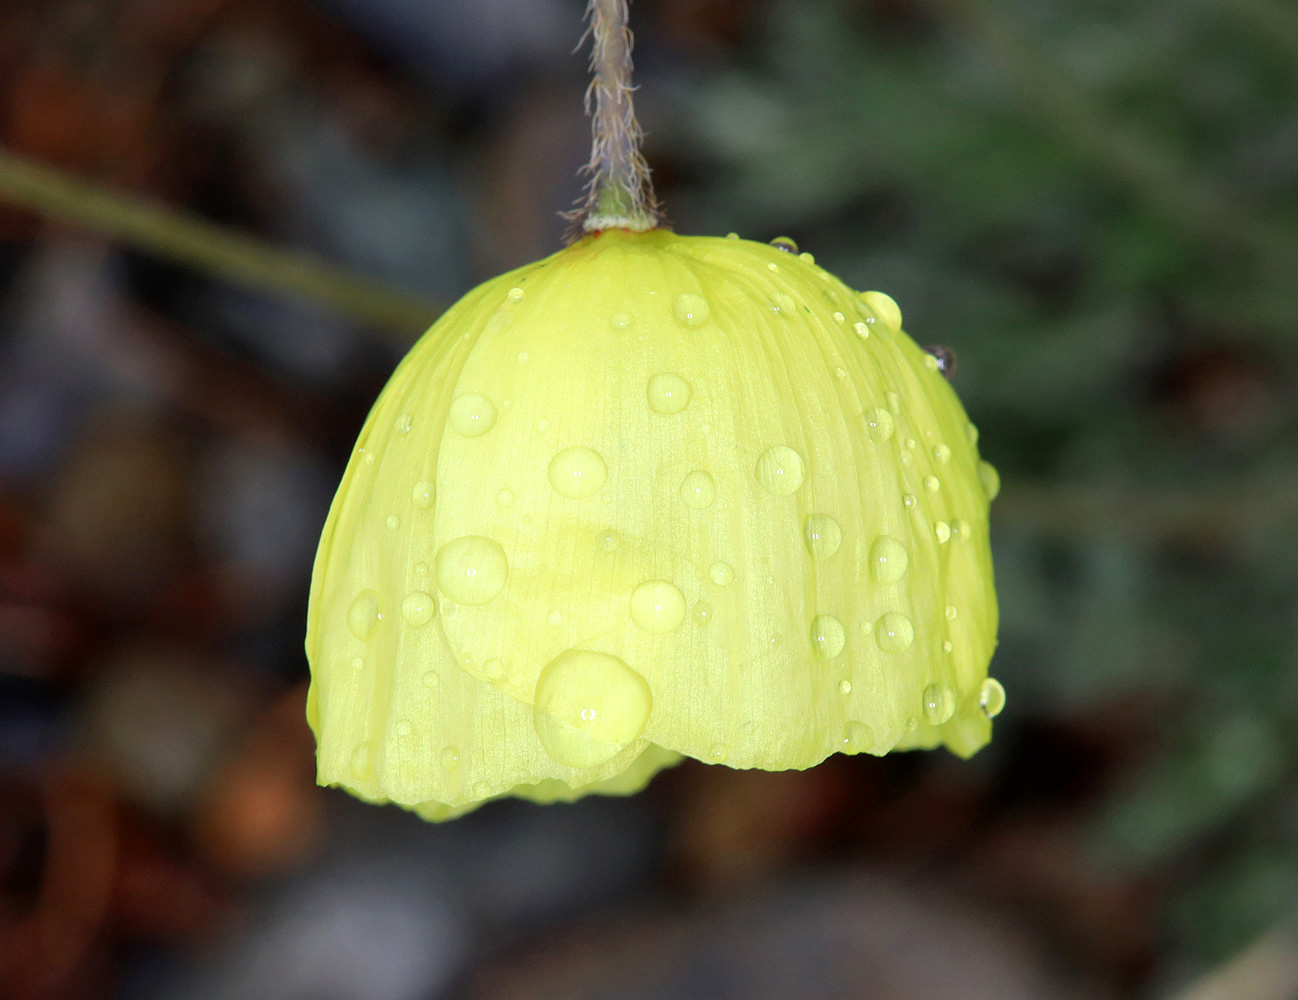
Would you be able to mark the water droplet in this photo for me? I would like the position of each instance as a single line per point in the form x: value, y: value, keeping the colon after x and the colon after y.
x: 718, y: 752
x: 393, y: 522
x: 784, y: 243
x: 471, y: 569
x: 910, y: 443
x: 779, y: 470
x: 844, y: 687
x: 971, y: 432
x: 889, y: 559
x: 668, y: 393
x: 515, y: 295
x: 908, y: 501
x: 698, y: 490
x: 932, y: 484
x: 543, y: 425
x: 930, y: 362
x: 947, y: 646
x: 912, y: 724
x: 857, y: 737
x: 822, y: 534
x: 361, y: 757
x: 404, y: 423
x: 894, y: 402
x: 423, y: 494
x: 862, y: 330
x: 472, y: 414
x: 809, y: 258
x: 866, y: 627
x: 690, y: 310
x: 961, y: 530
x: 554, y: 618
x: 941, y: 453
x: 418, y: 608
x: 720, y: 573
x: 504, y: 498
x: 732, y: 236
x: 403, y: 728
x: 588, y: 707
x: 607, y: 539
x: 894, y: 633
x: 878, y: 424
x: 364, y: 615
x: 943, y: 360
x: 943, y: 532
x: 493, y: 669
x: 783, y: 303
x: 358, y: 664
x: 702, y: 613
x: 883, y: 306
x: 481, y: 789
x: 619, y: 320
x: 839, y: 318
x: 991, y: 697
x: 841, y: 372
x: 827, y: 636
x: 990, y: 478
x: 657, y: 606
x: 450, y: 758
x: 577, y: 473
x: 431, y: 679
x: 939, y: 703
x: 951, y: 612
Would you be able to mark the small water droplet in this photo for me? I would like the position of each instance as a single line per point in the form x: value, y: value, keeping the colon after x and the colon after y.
x: 990, y: 478
x: 668, y: 393
x: 943, y: 360
x: 809, y: 258
x: 894, y: 402
x: 523, y: 356
x: 941, y: 453
x: 961, y: 530
x: 910, y: 443
x: 772, y: 266
x: 361, y: 757
x: 702, y: 613
x: 894, y: 633
x: 657, y: 606
x: 404, y: 423
x: 844, y: 687
x: 841, y: 372
x: 358, y: 664
x: 779, y: 470
x: 393, y: 522
x: 690, y: 310
x: 878, y: 424
x: 504, y: 498
x: 991, y: 697
x: 732, y: 236
x: 947, y: 646
x: 619, y: 320
x: 839, y: 318
x: 698, y: 490
x: 588, y: 707
x: 481, y: 789
x: 827, y: 636
x: 607, y: 539
x: 471, y: 569
x: 939, y: 703
x: 431, y: 679
x: 971, y: 432
x: 404, y: 728
x: 862, y: 330
x: 418, y: 608
x: 423, y: 494
x: 554, y: 618
x: 822, y: 534
x: 472, y: 414
x: 543, y: 425
x: 912, y: 724
x: 908, y: 501
x: 784, y: 243
x: 493, y: 669
x: 951, y: 612
x: 906, y: 456
x: 889, y: 559
x: 943, y: 532
x: 450, y: 758
x: 857, y: 737
x: 866, y: 627
x: 932, y: 484
x: 364, y: 615
x: 718, y: 752
x: 577, y: 473
x: 721, y: 573
x: 883, y: 306
x: 515, y: 295
x: 783, y: 303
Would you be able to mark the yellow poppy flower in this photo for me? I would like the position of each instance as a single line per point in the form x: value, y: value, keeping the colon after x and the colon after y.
x: 652, y: 496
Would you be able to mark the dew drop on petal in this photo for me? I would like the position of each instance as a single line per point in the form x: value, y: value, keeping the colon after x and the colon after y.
x: 857, y: 737
x: 657, y: 606
x: 822, y: 534
x: 471, y: 569
x: 450, y: 758
x: 932, y: 484
x: 690, y: 310
x: 418, y: 608
x: 943, y: 531
x: 991, y: 697
x: 785, y: 243
x: 588, y: 707
x: 721, y: 573
x: 827, y: 636
x: 364, y: 615
x: 878, y: 424
x: 883, y: 306
x: 698, y: 490
x: 702, y: 613
x: 577, y: 473
x: 888, y: 559
x: 939, y: 704
x: 894, y: 633
x: 423, y: 494
x: 472, y: 414
x: 990, y: 478
x: 941, y: 454
x: 668, y: 393
x: 619, y: 320
x: 783, y: 303
x: 779, y: 471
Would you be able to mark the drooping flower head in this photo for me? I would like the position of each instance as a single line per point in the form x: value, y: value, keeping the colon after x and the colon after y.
x: 652, y: 496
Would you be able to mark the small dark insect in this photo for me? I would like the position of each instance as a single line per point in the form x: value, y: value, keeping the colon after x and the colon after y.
x: 945, y: 359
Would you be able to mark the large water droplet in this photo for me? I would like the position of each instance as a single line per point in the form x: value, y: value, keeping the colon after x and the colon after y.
x: 991, y: 697
x: 878, y: 424
x: 668, y: 393
x: 779, y: 470
x: 362, y: 755
x: 857, y: 737
x: 471, y: 569
x: 588, y: 707
x: 721, y: 573
x: 690, y: 310
x: 418, y: 608
x: 827, y: 636
x: 698, y: 490
x: 894, y: 633
x: 990, y: 478
x: 939, y: 703
x: 785, y: 243
x: 423, y: 494
x: 822, y: 534
x: 577, y: 473
x: 888, y: 559
x: 883, y: 306
x: 657, y: 606
x: 472, y: 414
x: 364, y: 615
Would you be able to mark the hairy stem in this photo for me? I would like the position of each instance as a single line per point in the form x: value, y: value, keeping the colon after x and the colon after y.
x: 619, y: 194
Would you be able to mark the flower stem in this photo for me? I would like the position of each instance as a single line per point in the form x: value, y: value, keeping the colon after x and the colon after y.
x: 619, y: 194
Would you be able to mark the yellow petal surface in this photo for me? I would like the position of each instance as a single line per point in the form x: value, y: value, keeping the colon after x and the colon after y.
x: 654, y: 495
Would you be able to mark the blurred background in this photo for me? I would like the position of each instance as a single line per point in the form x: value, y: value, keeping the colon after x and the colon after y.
x: 1094, y: 204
